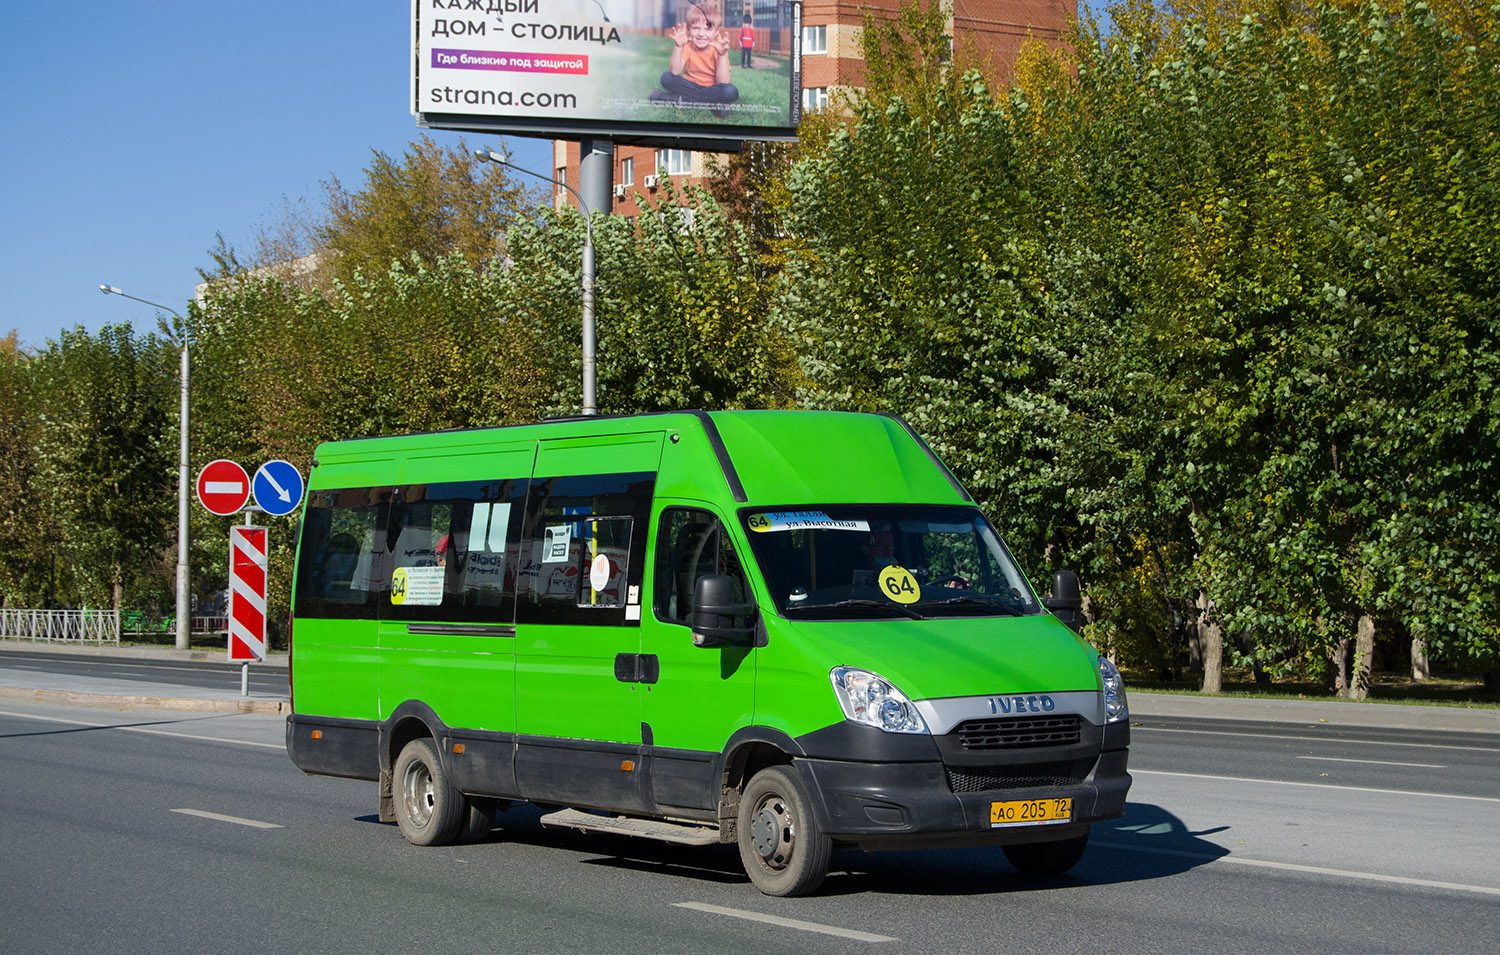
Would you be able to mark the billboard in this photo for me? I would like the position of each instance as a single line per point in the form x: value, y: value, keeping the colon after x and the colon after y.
x: 646, y: 71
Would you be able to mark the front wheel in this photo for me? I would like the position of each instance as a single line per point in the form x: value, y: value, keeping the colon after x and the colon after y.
x: 429, y: 809
x: 782, y: 847
x: 1047, y: 858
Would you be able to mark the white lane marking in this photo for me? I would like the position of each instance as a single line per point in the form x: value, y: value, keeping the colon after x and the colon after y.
x: 1373, y: 762
x: 1316, y: 739
x: 143, y: 729
x: 1286, y: 782
x: 798, y: 924
x: 220, y: 817
x: 1310, y: 869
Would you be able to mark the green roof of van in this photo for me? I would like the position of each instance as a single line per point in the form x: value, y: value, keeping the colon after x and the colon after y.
x: 769, y: 458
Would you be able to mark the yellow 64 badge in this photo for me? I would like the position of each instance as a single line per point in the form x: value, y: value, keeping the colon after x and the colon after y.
x: 398, y: 586
x: 898, y: 584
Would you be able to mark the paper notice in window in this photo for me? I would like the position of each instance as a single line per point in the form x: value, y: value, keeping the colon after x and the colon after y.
x: 555, y: 545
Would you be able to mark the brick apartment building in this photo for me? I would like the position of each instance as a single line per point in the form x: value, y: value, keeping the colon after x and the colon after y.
x: 830, y: 60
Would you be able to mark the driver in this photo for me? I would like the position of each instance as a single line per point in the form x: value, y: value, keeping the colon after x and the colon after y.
x: 879, y: 549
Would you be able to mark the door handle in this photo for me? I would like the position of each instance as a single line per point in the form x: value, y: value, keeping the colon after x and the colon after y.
x: 637, y: 667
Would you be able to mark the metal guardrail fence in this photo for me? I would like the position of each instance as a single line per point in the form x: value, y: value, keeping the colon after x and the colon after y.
x: 60, y: 626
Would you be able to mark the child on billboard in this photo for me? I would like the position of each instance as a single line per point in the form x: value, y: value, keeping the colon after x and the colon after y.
x: 698, y: 72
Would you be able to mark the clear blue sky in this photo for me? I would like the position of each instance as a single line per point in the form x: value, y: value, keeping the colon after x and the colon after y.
x: 134, y: 130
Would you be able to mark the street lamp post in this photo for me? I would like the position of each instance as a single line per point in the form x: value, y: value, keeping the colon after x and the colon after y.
x: 184, y: 607
x: 589, y: 406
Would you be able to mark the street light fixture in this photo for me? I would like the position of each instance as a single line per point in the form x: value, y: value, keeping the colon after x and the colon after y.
x: 184, y: 608
x: 589, y: 406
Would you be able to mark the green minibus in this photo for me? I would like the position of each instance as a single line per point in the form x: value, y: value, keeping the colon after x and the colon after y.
x: 792, y: 631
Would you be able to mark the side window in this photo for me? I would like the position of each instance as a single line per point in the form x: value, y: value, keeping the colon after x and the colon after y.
x: 690, y: 544
x: 585, y: 541
x: 340, y: 569
x: 454, y: 551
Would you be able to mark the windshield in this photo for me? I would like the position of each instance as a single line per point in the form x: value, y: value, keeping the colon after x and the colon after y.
x: 847, y: 561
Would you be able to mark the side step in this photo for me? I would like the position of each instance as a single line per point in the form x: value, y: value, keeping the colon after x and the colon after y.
x: 680, y: 833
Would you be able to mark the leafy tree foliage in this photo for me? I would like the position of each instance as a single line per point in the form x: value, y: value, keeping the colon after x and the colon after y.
x: 1205, y: 309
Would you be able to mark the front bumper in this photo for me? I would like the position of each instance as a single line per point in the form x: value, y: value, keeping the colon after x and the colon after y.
x: 883, y: 804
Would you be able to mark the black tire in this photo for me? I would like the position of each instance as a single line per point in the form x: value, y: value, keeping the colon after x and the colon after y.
x: 479, y: 820
x: 1047, y: 858
x: 429, y: 810
x: 784, y: 850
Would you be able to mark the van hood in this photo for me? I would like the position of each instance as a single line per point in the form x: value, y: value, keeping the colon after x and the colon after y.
x: 959, y: 656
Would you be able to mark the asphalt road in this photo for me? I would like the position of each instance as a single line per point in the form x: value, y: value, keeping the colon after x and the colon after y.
x: 135, y: 832
x: 264, y: 679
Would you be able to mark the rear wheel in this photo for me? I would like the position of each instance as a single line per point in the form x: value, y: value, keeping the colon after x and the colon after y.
x: 783, y: 849
x: 1047, y: 858
x: 429, y: 810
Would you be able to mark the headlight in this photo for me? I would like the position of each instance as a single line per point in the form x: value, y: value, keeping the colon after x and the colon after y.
x: 868, y: 699
x: 1114, y: 692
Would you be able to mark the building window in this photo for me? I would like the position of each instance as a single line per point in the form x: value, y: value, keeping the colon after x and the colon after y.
x: 814, y: 98
x: 562, y: 181
x: 627, y: 172
x: 815, y: 39
x: 675, y: 162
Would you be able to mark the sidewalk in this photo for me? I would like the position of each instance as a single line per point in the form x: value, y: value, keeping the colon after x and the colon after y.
x: 41, y: 687
x: 131, y: 694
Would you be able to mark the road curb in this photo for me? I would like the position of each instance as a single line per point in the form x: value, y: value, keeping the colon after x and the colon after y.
x: 124, y: 702
x: 1396, y: 716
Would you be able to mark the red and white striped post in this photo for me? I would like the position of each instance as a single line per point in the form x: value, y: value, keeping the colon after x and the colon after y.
x: 247, y: 598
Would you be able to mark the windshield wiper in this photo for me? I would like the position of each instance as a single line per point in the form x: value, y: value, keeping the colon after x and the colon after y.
x: 860, y: 602
x: 977, y: 597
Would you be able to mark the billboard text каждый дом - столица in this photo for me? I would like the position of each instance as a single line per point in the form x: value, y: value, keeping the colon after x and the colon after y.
x: 634, y: 69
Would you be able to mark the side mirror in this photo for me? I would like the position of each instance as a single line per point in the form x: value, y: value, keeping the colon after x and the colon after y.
x: 717, y: 620
x: 1066, y: 602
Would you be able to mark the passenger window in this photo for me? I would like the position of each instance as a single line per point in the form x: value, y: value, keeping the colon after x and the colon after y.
x: 690, y: 544
x: 340, y: 571
x: 455, y: 550
x: 583, y: 539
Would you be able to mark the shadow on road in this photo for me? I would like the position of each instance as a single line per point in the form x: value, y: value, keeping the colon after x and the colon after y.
x: 140, y: 724
x: 1147, y: 843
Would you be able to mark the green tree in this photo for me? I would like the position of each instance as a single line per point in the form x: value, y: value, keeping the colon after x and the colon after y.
x: 104, y: 474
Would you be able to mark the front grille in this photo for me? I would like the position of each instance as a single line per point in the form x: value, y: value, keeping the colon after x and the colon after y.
x: 1021, y: 733
x: 1067, y: 772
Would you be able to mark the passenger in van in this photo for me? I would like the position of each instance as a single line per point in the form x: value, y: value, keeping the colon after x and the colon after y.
x: 442, y: 550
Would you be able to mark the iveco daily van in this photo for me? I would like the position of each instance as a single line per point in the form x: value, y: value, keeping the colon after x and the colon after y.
x: 790, y: 631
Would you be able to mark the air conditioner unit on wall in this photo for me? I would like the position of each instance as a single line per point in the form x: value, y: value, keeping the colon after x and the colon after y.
x: 650, y: 182
x: 619, y: 192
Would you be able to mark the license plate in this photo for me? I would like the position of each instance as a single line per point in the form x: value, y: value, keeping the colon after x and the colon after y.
x: 1030, y: 812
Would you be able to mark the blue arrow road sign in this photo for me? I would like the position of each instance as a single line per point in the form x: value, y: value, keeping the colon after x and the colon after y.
x: 277, y: 487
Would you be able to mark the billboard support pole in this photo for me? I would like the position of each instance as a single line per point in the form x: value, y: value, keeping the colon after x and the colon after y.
x: 596, y: 180
x: 589, y: 176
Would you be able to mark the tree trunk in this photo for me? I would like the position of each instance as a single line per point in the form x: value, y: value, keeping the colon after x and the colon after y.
x: 1212, y: 637
x: 1341, y: 666
x: 1364, y: 651
x: 1421, y: 667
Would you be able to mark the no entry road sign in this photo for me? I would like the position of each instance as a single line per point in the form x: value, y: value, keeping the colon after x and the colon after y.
x: 223, y: 487
x: 247, y: 593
